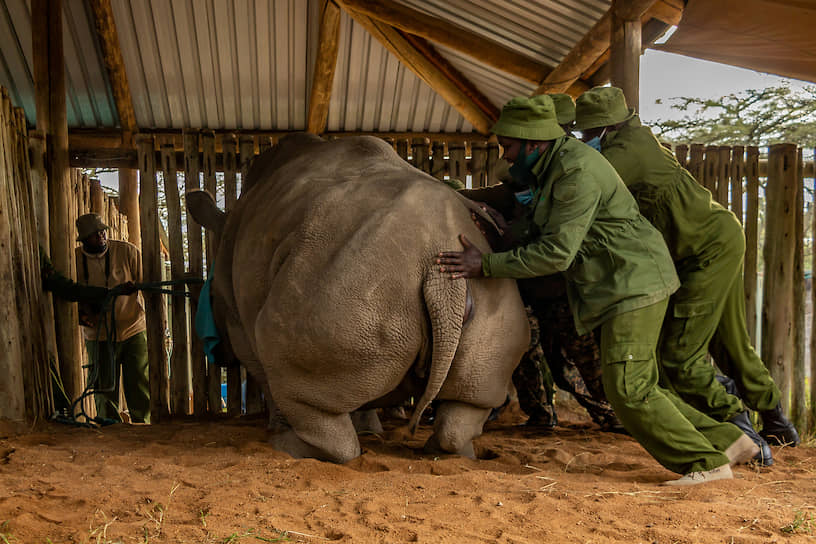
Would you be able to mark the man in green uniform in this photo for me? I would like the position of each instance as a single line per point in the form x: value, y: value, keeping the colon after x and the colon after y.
x: 586, y: 225
x: 557, y: 355
x: 707, y: 245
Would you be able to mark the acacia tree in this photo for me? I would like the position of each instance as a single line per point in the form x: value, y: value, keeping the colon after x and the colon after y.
x: 751, y: 117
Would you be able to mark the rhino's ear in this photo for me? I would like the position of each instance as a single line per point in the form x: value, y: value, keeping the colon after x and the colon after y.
x: 204, y: 210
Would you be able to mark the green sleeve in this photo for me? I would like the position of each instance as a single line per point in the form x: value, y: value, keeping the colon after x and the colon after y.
x: 65, y: 287
x: 629, y: 165
x: 575, y: 204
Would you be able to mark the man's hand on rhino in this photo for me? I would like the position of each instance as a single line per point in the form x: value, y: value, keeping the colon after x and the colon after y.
x: 461, y: 264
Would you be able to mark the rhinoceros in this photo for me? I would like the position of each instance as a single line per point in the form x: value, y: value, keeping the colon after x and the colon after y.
x: 326, y: 288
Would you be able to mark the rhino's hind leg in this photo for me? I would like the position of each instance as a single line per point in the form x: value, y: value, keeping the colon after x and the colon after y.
x: 455, y: 426
x: 318, y: 434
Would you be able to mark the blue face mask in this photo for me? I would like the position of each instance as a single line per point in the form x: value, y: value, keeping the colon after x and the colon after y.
x: 595, y: 143
x: 522, y: 169
x: 524, y: 197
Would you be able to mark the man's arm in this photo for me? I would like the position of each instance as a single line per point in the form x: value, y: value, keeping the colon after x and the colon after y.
x: 66, y: 288
x: 575, y: 203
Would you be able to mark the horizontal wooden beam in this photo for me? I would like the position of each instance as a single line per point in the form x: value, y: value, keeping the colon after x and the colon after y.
x: 325, y: 65
x: 415, y: 61
x: 589, y: 48
x: 441, y: 32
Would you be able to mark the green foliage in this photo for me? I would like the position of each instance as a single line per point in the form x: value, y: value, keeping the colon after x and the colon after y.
x: 750, y: 117
x: 802, y: 523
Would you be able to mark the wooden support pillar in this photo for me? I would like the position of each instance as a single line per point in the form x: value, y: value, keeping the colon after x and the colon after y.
x: 780, y: 246
x: 751, y: 239
x: 711, y: 168
x: 438, y: 165
x: 420, y: 153
x: 696, y: 163
x: 492, y: 162
x: 723, y: 175
x: 737, y: 174
x: 208, y: 167
x: 402, y: 148
x: 129, y: 204
x: 812, y: 362
x: 179, y: 362
x: 458, y: 165
x: 798, y: 412
x: 681, y: 152
x: 97, y: 198
x: 195, y: 259
x: 230, y: 146
x: 152, y: 272
x: 52, y: 120
x: 625, y: 48
x: 246, y: 152
x: 478, y: 164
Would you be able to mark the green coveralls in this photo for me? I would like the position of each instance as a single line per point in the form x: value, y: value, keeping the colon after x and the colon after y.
x: 585, y: 224
x: 707, y: 244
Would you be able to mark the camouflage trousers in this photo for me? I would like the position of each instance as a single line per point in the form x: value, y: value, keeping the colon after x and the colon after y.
x: 559, y: 356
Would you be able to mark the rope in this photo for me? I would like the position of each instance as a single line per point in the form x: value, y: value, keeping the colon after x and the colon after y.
x: 91, y: 386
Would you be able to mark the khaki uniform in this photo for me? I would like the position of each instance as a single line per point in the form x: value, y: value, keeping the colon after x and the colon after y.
x: 707, y: 244
x: 119, y: 263
x: 585, y: 224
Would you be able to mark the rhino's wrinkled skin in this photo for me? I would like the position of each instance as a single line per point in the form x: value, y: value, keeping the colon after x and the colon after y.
x: 326, y: 287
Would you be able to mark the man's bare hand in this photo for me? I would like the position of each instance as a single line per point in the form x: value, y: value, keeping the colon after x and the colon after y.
x: 461, y: 264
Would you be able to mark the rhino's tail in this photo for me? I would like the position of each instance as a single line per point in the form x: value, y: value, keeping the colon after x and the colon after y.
x: 445, y: 300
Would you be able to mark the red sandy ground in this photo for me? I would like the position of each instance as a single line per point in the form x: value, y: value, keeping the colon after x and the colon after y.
x: 219, y: 482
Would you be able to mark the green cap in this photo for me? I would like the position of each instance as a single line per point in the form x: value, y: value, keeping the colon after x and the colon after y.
x: 601, y: 107
x: 529, y: 119
x: 564, y: 108
x: 88, y: 224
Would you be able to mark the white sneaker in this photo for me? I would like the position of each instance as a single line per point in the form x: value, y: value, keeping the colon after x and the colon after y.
x: 705, y: 476
x: 743, y: 450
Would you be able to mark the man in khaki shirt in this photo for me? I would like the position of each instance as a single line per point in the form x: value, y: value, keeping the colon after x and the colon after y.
x: 116, y: 339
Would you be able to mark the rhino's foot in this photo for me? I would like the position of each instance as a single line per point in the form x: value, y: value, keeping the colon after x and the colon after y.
x: 366, y: 421
x: 455, y: 426
x: 318, y: 434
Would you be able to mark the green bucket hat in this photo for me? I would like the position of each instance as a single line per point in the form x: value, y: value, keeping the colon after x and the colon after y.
x: 601, y: 107
x: 529, y: 119
x: 564, y: 108
x: 88, y: 224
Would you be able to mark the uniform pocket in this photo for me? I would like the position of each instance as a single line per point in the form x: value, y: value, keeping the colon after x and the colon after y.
x: 690, y: 318
x: 632, y: 368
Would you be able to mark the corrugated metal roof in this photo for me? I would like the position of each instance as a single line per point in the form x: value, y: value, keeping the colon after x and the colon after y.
x: 247, y: 64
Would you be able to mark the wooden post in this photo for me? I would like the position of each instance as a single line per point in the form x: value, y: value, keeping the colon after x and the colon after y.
x: 438, y: 160
x: 97, y: 197
x: 799, y: 412
x: 246, y: 150
x: 195, y: 258
x: 52, y: 120
x: 681, y: 152
x: 458, y: 165
x: 179, y: 362
x: 230, y: 147
x: 492, y: 162
x: 737, y: 174
x: 129, y: 204
x: 420, y: 153
x: 723, y: 172
x: 711, y: 168
x: 751, y: 239
x: 625, y: 49
x: 812, y: 362
x: 152, y: 272
x: 780, y: 246
x: 402, y: 148
x: 478, y: 164
x: 208, y: 167
x: 696, y: 164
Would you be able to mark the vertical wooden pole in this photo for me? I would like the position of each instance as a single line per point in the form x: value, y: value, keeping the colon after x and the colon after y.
x: 625, y: 48
x: 438, y: 160
x: 420, y: 152
x: 230, y: 147
x: 478, y: 162
x: 737, y: 175
x: 152, y: 272
x: 681, y: 152
x: 723, y: 173
x: 779, y: 250
x: 812, y: 362
x: 129, y: 204
x: 52, y: 120
x: 195, y: 259
x: 751, y: 239
x: 402, y: 148
x: 696, y: 164
x: 458, y: 165
x: 799, y: 410
x: 208, y: 158
x: 179, y: 361
x: 492, y: 162
x: 97, y: 198
x: 246, y: 152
